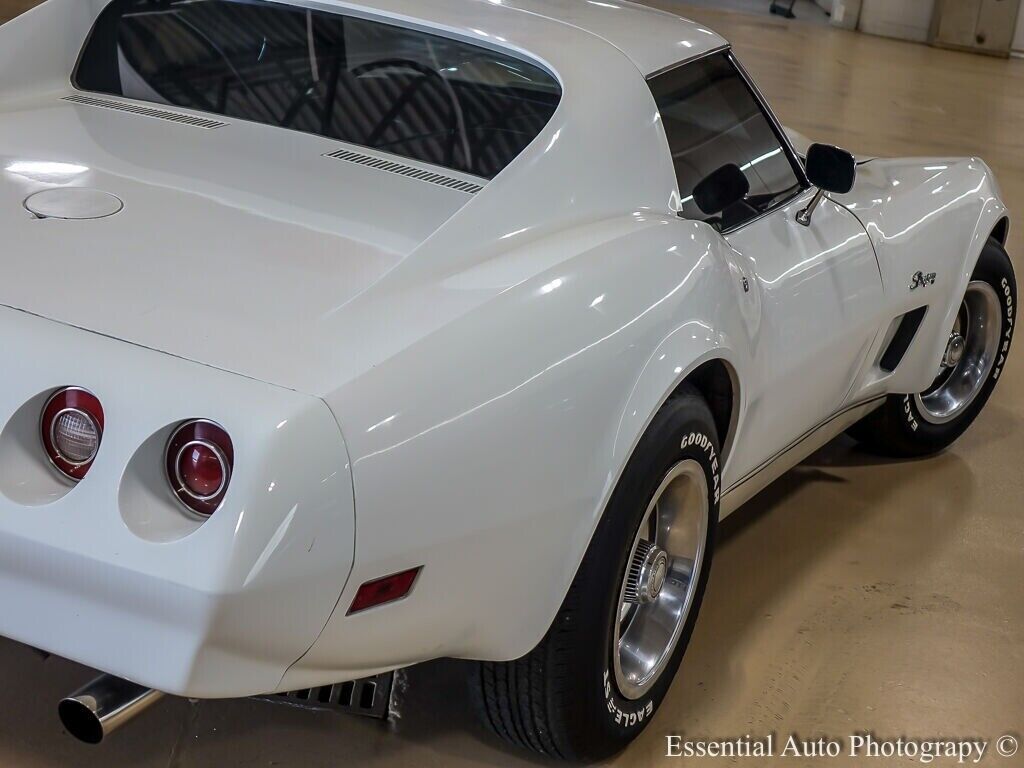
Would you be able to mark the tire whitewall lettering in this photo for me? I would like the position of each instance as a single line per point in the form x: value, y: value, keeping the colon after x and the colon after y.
x: 1008, y: 297
x: 918, y: 424
x: 625, y: 719
x: 707, y: 444
x: 564, y: 698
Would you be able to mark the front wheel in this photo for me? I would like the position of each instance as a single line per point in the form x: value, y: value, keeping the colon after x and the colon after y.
x: 596, y: 679
x: 925, y: 422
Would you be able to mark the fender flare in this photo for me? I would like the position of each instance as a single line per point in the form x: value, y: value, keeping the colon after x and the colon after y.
x: 928, y: 350
x: 676, y: 359
x: 932, y: 215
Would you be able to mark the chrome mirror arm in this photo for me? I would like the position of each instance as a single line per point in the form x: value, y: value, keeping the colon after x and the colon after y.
x: 804, y: 217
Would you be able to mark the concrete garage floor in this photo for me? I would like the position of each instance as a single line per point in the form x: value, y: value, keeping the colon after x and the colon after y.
x: 805, y: 10
x: 854, y: 595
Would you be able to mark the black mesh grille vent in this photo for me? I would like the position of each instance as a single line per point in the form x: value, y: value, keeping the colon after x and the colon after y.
x: 406, y: 170
x: 138, y: 109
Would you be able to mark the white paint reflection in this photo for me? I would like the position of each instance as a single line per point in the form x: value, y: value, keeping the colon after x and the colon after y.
x: 761, y: 159
x: 379, y: 424
x: 799, y: 266
x: 469, y: 411
x: 46, y: 171
x: 554, y: 139
x: 272, y: 545
x: 931, y: 214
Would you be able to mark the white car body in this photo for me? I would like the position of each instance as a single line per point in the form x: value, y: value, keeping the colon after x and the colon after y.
x: 412, y: 375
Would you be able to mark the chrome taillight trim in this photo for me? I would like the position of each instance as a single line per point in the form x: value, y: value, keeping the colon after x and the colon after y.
x: 224, y: 467
x: 172, y: 474
x: 46, y: 431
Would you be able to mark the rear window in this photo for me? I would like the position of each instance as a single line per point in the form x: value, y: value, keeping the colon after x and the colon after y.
x: 399, y: 90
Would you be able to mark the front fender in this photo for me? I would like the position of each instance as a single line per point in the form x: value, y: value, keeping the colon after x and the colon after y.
x: 930, y: 216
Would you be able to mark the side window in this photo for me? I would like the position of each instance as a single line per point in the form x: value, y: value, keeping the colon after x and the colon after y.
x: 712, y: 119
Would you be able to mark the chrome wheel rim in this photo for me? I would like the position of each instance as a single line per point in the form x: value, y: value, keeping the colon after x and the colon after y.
x: 661, y: 578
x: 978, y: 324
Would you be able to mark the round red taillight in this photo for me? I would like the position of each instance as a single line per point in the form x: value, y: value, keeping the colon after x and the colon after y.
x: 198, y: 462
x: 71, y: 427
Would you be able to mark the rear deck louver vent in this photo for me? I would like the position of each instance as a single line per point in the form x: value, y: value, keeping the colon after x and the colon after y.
x: 406, y: 170
x: 138, y: 109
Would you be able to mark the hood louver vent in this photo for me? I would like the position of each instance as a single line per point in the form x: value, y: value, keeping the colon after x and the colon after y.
x: 136, y: 109
x: 406, y: 170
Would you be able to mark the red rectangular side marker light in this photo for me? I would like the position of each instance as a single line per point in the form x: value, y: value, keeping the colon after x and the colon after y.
x: 386, y: 590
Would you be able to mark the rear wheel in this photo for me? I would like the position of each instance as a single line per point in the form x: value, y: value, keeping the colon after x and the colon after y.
x: 596, y: 679
x: 925, y: 422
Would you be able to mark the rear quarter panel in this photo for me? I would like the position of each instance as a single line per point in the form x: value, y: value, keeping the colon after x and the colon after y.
x: 40, y: 47
x: 487, y: 451
x: 492, y: 387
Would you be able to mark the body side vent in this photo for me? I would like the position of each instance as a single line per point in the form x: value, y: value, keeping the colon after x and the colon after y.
x: 902, y: 339
x: 138, y: 109
x: 390, y: 166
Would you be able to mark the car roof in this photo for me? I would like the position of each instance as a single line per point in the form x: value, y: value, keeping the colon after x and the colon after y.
x: 652, y: 39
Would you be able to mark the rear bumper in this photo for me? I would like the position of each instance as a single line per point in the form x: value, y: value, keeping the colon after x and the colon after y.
x: 129, y: 624
x: 111, y: 573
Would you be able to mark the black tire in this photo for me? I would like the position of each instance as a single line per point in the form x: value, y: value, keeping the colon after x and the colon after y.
x: 899, y: 428
x: 561, y: 699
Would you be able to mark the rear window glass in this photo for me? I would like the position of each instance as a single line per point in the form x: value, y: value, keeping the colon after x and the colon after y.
x: 399, y: 90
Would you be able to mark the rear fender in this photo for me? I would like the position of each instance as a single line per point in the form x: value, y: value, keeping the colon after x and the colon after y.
x: 535, y: 400
x: 686, y: 349
x: 41, y: 47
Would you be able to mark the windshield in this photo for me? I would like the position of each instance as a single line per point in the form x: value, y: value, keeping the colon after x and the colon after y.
x: 390, y: 88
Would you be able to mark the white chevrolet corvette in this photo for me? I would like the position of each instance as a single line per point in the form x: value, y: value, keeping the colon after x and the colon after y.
x: 344, y: 336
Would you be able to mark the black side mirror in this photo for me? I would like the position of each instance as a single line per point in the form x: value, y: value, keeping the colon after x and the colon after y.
x: 830, y: 169
x: 720, y: 189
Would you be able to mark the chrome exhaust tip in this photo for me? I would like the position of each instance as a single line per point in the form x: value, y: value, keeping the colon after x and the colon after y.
x: 98, y: 709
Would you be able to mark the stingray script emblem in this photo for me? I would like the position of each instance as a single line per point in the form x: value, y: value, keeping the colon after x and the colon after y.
x: 920, y: 280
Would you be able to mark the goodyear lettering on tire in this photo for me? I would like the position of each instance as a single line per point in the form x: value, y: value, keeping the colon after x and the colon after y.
x: 1008, y: 335
x: 644, y: 710
x: 704, y: 442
